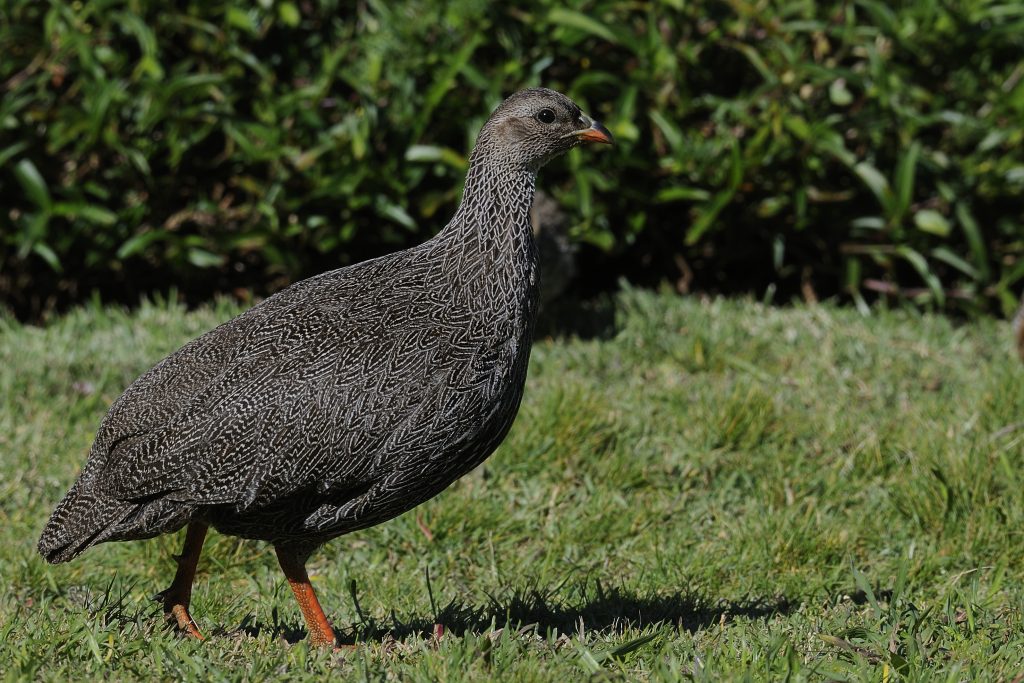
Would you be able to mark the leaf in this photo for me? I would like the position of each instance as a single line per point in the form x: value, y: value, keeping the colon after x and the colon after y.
x: 241, y: 19
x: 865, y: 586
x: 673, y: 136
x: 138, y: 160
x: 445, y: 155
x: 920, y: 264
x: 444, y: 81
x: 33, y: 184
x: 289, y: 14
x: 97, y: 215
x: 844, y: 644
x: 587, y: 660
x: 624, y: 131
x: 138, y: 243
x: 839, y: 94
x: 200, y: 258
x: 882, y: 16
x: 47, y: 254
x: 946, y: 256
x: 979, y: 252
x: 993, y: 139
x: 94, y: 646
x: 798, y: 126
x: 875, y: 182
x: 592, y: 661
x: 1012, y: 274
x: 932, y: 222
x: 681, y: 193
x: 709, y: 214
x: 11, y: 151
x: 905, y: 172
x: 33, y: 232
x: 577, y: 20
x: 757, y: 62
x: 771, y: 206
x: 303, y: 161
x: 868, y: 223
x: 632, y: 645
x: 832, y: 143
x: 389, y: 209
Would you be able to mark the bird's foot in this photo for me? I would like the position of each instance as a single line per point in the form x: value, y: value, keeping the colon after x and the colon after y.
x: 185, y: 621
x: 324, y: 637
x: 176, y: 611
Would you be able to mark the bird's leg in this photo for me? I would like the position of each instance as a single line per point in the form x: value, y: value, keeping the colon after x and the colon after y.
x: 293, y: 563
x: 176, y: 599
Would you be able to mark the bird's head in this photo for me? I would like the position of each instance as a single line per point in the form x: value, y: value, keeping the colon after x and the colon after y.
x: 535, y: 125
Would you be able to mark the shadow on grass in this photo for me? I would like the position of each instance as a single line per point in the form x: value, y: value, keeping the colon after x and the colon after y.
x: 613, y: 611
x: 291, y: 632
x: 597, y: 609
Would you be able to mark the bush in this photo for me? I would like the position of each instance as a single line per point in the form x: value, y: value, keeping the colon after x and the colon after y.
x: 853, y: 148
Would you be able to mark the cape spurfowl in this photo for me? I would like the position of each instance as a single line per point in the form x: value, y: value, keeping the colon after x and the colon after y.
x: 343, y: 400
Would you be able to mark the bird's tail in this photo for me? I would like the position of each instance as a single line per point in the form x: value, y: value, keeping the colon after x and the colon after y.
x: 81, y: 521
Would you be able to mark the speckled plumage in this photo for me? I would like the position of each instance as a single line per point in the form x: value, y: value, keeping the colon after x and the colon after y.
x: 345, y: 399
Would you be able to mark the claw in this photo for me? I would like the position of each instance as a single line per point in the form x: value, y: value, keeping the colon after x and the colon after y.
x: 185, y: 621
x: 177, y: 597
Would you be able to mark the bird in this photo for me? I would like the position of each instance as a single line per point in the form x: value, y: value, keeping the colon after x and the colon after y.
x: 342, y: 400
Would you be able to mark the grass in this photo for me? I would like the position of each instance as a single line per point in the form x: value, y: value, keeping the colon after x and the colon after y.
x: 716, y: 490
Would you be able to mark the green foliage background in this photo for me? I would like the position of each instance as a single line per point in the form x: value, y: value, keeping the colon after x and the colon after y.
x: 857, y: 147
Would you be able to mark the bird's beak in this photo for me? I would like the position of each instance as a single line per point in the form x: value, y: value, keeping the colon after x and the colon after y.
x: 595, y: 133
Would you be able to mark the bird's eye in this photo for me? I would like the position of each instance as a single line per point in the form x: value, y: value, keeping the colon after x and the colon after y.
x: 546, y: 116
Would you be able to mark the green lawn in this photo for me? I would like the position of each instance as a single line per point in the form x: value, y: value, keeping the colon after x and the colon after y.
x: 715, y: 490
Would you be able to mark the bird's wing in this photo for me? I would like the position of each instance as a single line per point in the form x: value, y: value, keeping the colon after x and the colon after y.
x: 306, y: 398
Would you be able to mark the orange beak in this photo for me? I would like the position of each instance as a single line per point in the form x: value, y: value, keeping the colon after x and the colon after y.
x: 596, y: 133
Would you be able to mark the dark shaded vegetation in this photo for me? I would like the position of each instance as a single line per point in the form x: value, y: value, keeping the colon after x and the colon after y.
x: 859, y: 149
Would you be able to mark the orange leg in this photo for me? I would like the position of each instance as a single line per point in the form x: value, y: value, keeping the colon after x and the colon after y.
x: 293, y: 563
x: 176, y: 599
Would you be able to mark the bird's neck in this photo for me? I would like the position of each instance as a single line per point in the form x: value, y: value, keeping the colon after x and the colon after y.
x: 489, y: 252
x: 493, y: 218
